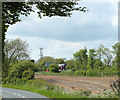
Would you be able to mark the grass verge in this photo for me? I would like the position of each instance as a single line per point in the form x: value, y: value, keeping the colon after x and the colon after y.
x: 44, y: 88
x: 47, y: 89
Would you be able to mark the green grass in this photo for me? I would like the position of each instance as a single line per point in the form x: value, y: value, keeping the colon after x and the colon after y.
x: 67, y: 73
x: 53, y: 92
x: 47, y: 89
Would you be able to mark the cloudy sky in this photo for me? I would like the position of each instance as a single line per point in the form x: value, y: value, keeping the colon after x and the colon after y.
x: 62, y: 36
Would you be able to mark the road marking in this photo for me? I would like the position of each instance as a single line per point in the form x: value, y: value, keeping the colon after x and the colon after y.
x: 13, y: 93
x: 18, y: 95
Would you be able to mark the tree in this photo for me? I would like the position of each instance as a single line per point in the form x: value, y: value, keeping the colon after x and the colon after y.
x: 81, y: 59
x: 91, y: 58
x: 70, y: 64
x: 100, y: 52
x: 59, y: 60
x: 43, y: 60
x: 115, y: 85
x: 46, y: 59
x: 108, y: 56
x: 98, y: 64
x: 115, y: 53
x: 53, y: 68
x: 15, y: 50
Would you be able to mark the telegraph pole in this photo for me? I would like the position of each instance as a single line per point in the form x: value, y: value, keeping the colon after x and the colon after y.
x: 41, y: 52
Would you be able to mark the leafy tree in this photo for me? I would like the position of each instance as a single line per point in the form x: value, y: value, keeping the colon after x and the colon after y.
x: 91, y: 58
x: 46, y: 59
x: 43, y: 60
x: 70, y: 64
x: 59, y: 61
x: 73, y: 69
x: 115, y: 52
x: 98, y: 64
x: 53, y: 68
x: 108, y: 58
x: 81, y: 59
x: 44, y: 68
x: 115, y: 85
x: 100, y: 52
x: 15, y: 50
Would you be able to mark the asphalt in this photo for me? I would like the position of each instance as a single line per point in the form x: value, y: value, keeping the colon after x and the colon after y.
x: 15, y: 94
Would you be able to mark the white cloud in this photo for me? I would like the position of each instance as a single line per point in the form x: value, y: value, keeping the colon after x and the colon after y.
x: 56, y: 34
x: 60, y: 49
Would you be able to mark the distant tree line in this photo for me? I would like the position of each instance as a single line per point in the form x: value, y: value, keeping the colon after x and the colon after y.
x: 100, y: 62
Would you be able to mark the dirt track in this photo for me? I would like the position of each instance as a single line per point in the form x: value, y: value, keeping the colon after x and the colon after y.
x: 94, y: 84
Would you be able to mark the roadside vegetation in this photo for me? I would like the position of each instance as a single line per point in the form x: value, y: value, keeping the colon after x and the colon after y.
x: 21, y: 70
x: 47, y: 89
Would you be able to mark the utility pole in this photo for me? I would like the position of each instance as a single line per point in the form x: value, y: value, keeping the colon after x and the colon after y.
x: 41, y: 52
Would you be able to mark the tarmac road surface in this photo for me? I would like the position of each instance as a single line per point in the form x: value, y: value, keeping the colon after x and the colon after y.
x: 15, y: 94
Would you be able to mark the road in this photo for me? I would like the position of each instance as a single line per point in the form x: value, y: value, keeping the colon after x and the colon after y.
x: 10, y: 94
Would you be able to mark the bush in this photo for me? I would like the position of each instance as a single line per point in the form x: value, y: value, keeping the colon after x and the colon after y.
x: 44, y: 68
x: 22, y: 71
x: 53, y: 68
x: 73, y: 69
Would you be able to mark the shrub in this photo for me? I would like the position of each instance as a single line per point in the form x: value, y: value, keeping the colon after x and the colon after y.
x: 22, y: 71
x: 53, y: 68
x: 44, y: 68
x: 73, y: 69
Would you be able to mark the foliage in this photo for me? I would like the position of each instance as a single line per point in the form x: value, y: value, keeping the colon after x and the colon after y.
x: 81, y: 59
x: 43, y: 60
x: 44, y: 68
x: 14, y: 50
x: 59, y: 61
x: 73, y: 69
x: 99, y: 54
x: 98, y: 64
x: 70, y: 64
x: 108, y: 58
x: 116, y: 52
x: 93, y: 64
x: 91, y: 59
x: 53, y: 68
x: 21, y: 71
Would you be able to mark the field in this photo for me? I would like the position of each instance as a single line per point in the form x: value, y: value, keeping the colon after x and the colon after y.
x: 93, y: 84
